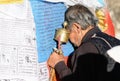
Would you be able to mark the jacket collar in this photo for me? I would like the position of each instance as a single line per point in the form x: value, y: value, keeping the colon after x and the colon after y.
x: 90, y: 33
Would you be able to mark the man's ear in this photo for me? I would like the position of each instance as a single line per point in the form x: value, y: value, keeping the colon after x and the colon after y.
x: 76, y: 27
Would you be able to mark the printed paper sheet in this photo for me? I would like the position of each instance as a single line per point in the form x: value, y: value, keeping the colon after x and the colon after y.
x: 18, y: 54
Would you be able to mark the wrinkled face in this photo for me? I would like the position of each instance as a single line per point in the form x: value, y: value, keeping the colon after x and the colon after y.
x: 75, y: 36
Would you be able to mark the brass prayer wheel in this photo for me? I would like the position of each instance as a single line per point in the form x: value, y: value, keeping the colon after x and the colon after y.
x: 62, y: 34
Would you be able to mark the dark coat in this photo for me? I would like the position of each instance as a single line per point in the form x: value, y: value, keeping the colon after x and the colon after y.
x: 86, y: 63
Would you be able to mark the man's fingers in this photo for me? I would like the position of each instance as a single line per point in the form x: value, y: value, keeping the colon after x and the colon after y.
x: 54, y: 59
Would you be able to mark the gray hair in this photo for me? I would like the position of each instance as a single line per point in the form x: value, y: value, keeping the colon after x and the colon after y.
x: 81, y: 15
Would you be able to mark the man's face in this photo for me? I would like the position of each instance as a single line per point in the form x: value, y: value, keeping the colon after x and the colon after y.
x: 75, y: 37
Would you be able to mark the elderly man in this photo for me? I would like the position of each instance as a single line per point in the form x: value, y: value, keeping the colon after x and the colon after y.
x: 87, y: 63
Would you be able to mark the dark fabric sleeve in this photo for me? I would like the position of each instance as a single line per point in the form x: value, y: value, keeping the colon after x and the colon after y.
x: 62, y: 70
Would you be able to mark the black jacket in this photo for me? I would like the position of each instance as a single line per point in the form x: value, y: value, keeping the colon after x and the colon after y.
x: 85, y: 64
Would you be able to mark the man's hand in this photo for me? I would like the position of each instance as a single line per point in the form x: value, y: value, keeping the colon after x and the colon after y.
x: 54, y: 59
